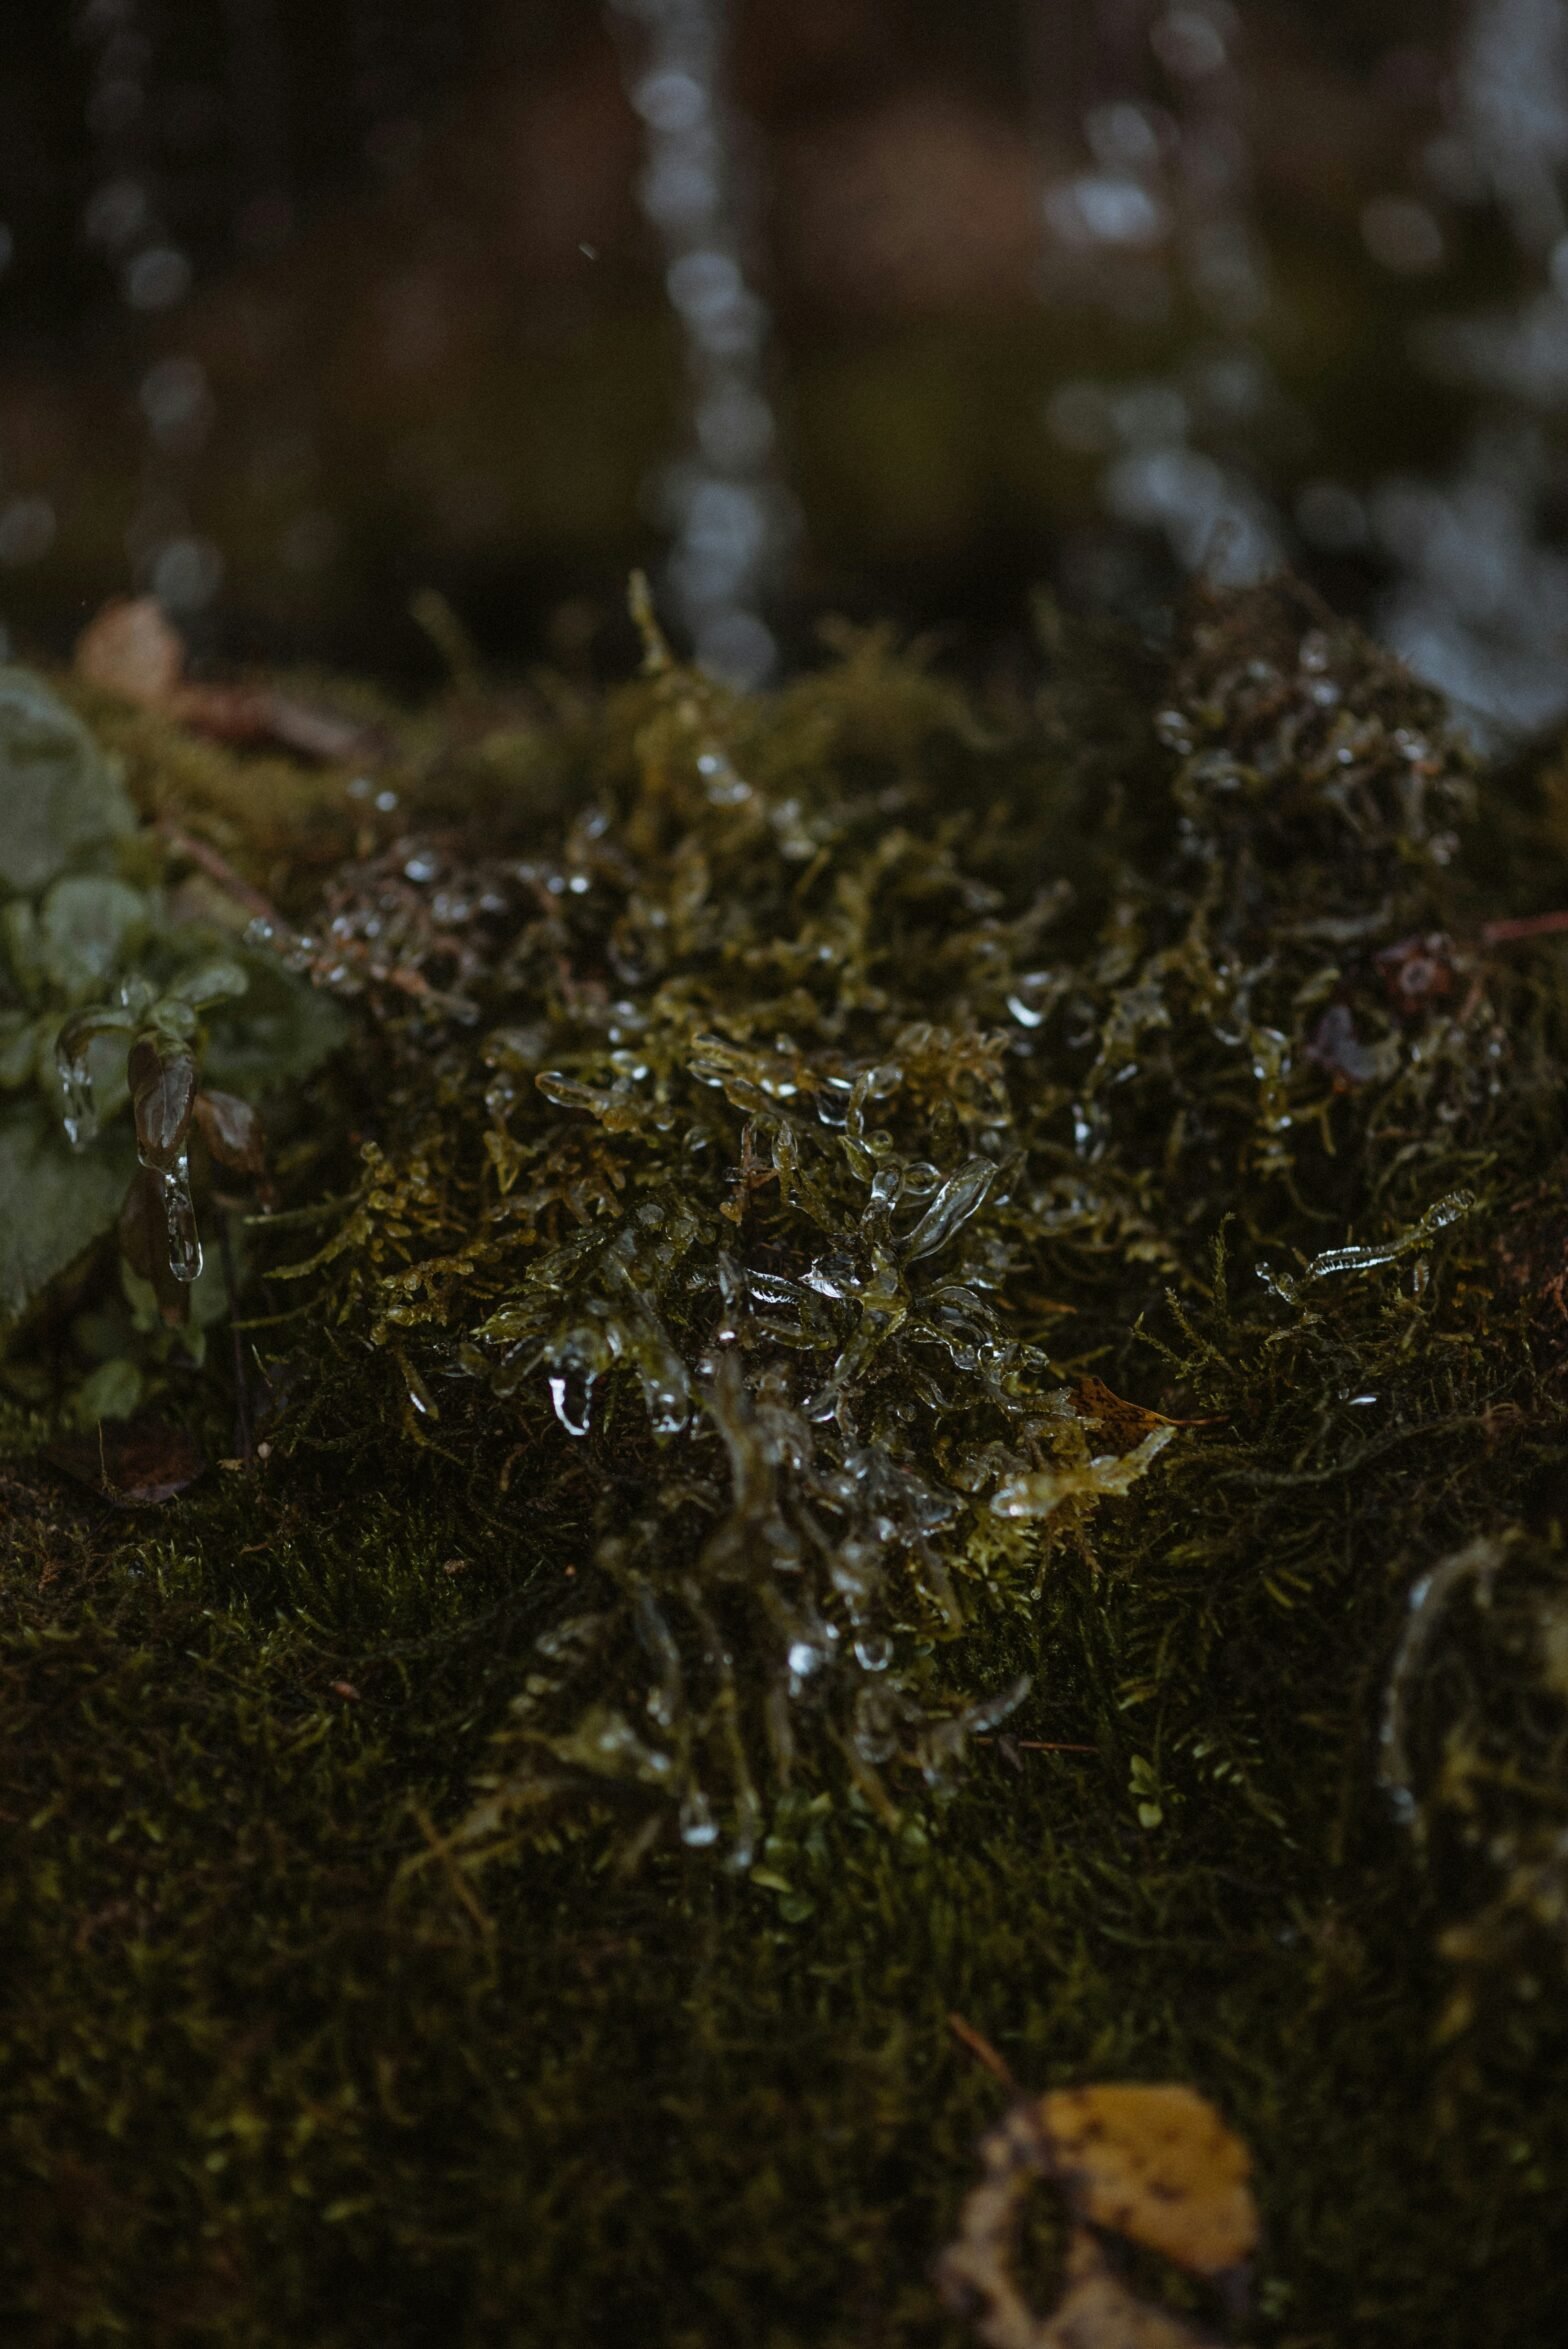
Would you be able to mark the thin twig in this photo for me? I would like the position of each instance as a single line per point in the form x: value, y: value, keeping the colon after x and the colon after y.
x: 217, y: 868
x: 983, y: 2052
x: 441, y: 1853
x: 1522, y: 926
x: 1035, y: 1745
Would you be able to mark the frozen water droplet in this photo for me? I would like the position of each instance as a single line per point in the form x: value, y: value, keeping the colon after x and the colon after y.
x: 697, y: 1823
x: 724, y: 787
x: 874, y: 1652
x: 804, y: 1658
x: 79, y: 1114
x: 571, y: 1394
x: 180, y: 1217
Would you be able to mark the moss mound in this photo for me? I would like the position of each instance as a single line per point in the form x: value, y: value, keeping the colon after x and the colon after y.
x: 913, y: 1365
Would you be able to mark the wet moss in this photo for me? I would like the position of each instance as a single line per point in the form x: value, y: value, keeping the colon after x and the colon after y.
x: 1054, y: 1208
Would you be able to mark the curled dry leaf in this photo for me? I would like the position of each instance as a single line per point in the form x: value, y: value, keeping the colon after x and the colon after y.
x: 1126, y: 1424
x: 1158, y: 2165
x: 232, y: 1131
x: 163, y: 1096
x: 1154, y: 2164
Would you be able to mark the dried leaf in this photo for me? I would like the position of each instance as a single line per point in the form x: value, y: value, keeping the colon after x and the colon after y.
x: 232, y: 1131
x: 163, y: 1095
x: 1154, y: 2164
x: 1158, y: 2165
x: 1127, y: 1424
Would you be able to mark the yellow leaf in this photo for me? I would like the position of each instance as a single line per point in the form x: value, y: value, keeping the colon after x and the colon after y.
x: 1156, y: 2164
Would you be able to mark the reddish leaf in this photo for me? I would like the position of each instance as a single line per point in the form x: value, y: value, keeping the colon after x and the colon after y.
x: 163, y: 1095
x: 232, y: 1131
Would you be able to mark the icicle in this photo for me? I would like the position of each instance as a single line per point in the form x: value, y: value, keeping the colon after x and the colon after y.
x: 698, y: 1826
x: 80, y: 1114
x: 180, y: 1219
x: 571, y: 1399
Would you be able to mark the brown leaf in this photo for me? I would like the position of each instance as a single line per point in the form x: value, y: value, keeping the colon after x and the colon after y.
x: 129, y: 648
x: 136, y: 1463
x: 1125, y: 1423
x: 163, y: 1095
x: 1156, y: 2164
x: 232, y: 1131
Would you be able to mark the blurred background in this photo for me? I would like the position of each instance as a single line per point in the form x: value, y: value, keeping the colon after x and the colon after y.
x: 882, y: 307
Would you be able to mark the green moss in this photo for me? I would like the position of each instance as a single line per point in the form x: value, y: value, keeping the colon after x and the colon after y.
x: 1205, y: 1086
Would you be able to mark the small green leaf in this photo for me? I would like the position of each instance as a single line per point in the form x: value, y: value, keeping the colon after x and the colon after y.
x: 210, y: 982
x: 58, y: 791
x: 280, y: 1032
x: 88, y: 923
x: 112, y: 1392
x: 56, y: 1202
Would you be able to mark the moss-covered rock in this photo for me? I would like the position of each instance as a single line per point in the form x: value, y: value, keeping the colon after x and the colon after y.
x: 1051, y: 1209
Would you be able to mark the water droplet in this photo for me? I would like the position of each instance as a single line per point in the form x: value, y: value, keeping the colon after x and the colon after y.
x: 874, y: 1651
x: 697, y: 1824
x: 571, y: 1393
x: 180, y: 1217
x: 79, y: 1113
x: 804, y: 1658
